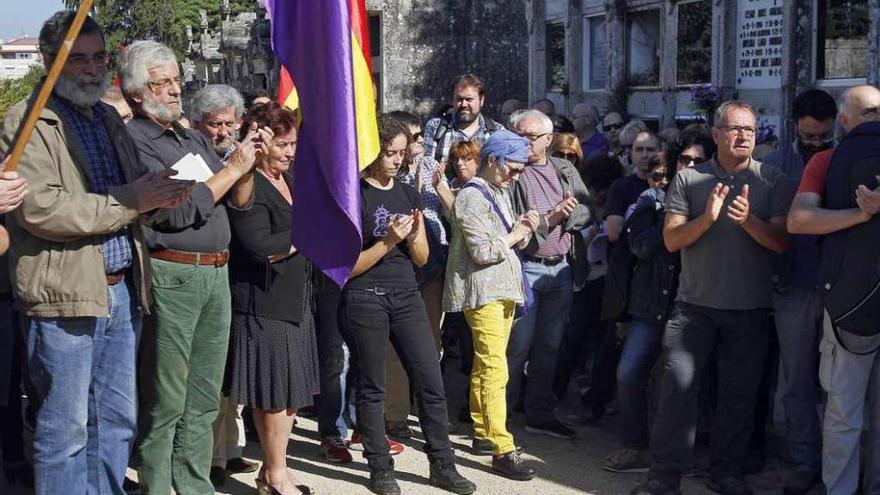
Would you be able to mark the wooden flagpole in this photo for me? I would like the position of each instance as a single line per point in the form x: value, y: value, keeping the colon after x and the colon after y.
x: 27, y: 129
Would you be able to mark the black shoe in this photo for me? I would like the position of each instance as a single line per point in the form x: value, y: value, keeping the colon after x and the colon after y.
x: 465, y: 417
x: 239, y: 465
x: 446, y: 477
x: 798, y: 482
x: 218, y: 476
x: 729, y: 485
x: 398, y: 429
x: 553, y: 428
x: 655, y: 487
x: 511, y: 465
x: 481, y: 446
x: 382, y: 482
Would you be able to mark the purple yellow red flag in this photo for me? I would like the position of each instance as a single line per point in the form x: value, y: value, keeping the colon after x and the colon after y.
x: 324, y: 45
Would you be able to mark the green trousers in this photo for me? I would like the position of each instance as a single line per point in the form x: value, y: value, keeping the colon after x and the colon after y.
x: 183, y: 356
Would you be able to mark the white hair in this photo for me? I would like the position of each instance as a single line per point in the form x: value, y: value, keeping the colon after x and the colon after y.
x: 214, y: 98
x: 722, y: 109
x: 631, y: 131
x: 136, y: 61
x: 516, y: 118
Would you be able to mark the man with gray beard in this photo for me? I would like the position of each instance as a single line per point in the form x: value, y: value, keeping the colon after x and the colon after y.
x: 184, y: 354
x: 81, y: 270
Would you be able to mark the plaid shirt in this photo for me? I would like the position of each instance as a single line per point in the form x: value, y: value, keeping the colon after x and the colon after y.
x: 431, y: 201
x: 104, y: 173
x: 435, y: 136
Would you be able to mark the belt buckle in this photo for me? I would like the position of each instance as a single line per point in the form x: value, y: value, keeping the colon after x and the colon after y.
x: 379, y: 291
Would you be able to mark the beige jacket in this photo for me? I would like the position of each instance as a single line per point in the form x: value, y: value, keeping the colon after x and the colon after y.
x: 56, y: 253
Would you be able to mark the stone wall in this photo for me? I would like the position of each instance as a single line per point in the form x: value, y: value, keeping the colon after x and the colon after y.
x: 425, y: 43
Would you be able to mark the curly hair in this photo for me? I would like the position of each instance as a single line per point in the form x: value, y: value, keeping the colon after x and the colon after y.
x: 390, y: 128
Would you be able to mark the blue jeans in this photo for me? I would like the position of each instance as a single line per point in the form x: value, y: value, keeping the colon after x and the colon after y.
x: 536, y: 338
x: 83, y: 375
x: 798, y: 327
x: 640, y: 351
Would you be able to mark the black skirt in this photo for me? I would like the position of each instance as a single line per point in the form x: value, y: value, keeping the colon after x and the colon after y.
x: 273, y: 364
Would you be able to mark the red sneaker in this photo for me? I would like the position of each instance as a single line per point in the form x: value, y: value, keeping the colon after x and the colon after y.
x: 335, y: 449
x: 394, y: 448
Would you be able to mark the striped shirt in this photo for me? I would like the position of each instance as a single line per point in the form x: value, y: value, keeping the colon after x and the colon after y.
x: 544, y: 191
x: 440, y: 135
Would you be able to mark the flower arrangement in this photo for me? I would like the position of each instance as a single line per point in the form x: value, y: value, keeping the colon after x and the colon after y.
x: 705, y: 99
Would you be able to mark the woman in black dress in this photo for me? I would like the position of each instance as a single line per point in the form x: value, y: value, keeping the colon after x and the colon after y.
x: 273, y: 361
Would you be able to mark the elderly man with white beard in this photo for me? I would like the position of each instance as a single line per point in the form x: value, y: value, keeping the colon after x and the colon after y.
x: 81, y: 269
x: 184, y: 352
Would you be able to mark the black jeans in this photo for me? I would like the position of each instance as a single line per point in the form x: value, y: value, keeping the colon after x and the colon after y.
x: 740, y: 338
x: 331, y: 357
x: 369, y: 318
x: 12, y: 351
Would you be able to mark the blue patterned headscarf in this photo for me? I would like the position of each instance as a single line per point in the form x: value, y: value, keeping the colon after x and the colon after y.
x: 505, y: 145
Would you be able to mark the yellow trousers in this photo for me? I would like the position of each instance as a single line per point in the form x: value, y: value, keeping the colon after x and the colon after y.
x: 490, y: 325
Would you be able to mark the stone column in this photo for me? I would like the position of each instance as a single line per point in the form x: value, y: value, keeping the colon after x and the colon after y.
x: 669, y: 65
x: 615, y: 22
x: 798, y: 68
x: 537, y: 28
x: 874, y: 43
x: 724, y: 47
x: 574, y: 47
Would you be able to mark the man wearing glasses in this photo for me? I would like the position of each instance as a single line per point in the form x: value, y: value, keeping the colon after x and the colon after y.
x: 796, y: 298
x: 612, y: 124
x: 553, y: 188
x: 184, y: 353
x: 727, y: 217
x: 827, y: 205
x: 81, y: 268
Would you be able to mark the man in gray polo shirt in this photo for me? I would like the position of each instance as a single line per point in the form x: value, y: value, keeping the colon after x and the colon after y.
x: 727, y: 217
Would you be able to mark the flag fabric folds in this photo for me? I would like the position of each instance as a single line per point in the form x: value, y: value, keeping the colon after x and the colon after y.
x: 324, y: 45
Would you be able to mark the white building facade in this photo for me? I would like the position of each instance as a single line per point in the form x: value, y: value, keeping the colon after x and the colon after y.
x: 18, y: 56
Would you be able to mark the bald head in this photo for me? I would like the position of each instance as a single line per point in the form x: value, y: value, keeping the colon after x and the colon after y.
x: 585, y: 117
x: 859, y: 105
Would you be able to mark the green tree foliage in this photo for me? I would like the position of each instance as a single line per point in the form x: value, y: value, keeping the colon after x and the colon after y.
x: 125, y: 21
x: 14, y: 90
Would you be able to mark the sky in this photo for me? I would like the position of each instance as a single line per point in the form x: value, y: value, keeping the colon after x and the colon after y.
x: 25, y: 17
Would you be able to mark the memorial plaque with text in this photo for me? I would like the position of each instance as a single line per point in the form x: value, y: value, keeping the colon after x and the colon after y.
x: 759, y: 44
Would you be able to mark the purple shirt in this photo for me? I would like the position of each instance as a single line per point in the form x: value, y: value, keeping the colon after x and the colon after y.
x: 544, y: 192
x: 596, y: 144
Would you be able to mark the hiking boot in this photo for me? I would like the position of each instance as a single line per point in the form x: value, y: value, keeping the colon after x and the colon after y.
x: 511, y: 465
x: 398, y: 429
x: 626, y: 461
x: 729, y: 485
x: 382, y: 482
x: 335, y: 449
x: 798, y: 482
x: 446, y: 477
x: 655, y: 487
x: 552, y: 428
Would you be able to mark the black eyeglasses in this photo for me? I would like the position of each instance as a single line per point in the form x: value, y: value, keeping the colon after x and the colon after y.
x: 686, y: 160
x: 657, y: 176
x: 613, y: 127
x: 417, y: 136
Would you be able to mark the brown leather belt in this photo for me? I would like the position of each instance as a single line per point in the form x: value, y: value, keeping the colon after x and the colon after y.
x: 115, y: 278
x: 187, y: 258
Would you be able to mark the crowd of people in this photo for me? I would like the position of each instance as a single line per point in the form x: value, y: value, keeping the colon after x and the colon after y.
x: 663, y: 276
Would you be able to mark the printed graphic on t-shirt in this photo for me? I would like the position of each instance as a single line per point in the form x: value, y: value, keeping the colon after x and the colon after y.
x: 381, y: 218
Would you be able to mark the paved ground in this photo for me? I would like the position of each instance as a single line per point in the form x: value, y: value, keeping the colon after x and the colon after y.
x: 564, y: 467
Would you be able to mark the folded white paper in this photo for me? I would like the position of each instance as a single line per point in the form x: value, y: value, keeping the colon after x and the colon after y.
x: 192, y: 167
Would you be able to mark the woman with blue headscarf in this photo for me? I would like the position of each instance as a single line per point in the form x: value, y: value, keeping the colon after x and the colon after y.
x: 484, y: 280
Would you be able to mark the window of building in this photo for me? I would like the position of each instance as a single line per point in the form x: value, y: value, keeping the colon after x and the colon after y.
x: 695, y: 42
x: 842, y: 39
x: 555, y: 52
x: 595, y: 53
x: 643, y: 47
x: 8, y: 56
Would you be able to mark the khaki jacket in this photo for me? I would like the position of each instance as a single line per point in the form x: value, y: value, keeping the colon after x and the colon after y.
x: 56, y: 253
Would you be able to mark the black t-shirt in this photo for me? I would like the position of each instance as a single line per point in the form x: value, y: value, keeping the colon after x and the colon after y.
x: 624, y: 192
x: 395, y: 270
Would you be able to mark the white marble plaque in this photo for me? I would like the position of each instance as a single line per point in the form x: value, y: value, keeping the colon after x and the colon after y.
x: 759, y: 44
